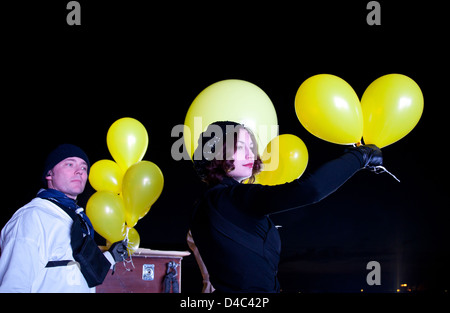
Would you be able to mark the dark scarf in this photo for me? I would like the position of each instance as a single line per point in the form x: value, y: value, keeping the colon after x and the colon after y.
x: 61, y: 199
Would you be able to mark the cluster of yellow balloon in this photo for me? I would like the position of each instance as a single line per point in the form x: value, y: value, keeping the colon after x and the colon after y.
x: 329, y: 108
x: 127, y: 188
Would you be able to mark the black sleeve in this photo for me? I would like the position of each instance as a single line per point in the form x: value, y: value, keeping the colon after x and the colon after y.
x: 259, y: 200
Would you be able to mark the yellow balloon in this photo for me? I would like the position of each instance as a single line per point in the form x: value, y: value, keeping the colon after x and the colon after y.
x: 285, y: 159
x: 106, y: 175
x: 142, y: 185
x: 127, y: 141
x: 231, y: 100
x: 133, y: 240
x: 107, y: 214
x: 392, y: 106
x: 328, y: 107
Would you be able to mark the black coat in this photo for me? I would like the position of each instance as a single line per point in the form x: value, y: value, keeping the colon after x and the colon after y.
x: 238, y: 242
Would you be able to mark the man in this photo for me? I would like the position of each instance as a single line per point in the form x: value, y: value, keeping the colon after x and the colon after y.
x: 41, y: 243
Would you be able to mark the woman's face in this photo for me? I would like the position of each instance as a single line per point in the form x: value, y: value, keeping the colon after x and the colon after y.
x: 243, y: 157
x: 69, y: 176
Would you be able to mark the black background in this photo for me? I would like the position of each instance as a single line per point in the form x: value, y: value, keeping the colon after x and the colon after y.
x: 64, y: 83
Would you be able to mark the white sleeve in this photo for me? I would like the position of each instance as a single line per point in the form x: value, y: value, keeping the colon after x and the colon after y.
x: 110, y: 258
x: 20, y: 261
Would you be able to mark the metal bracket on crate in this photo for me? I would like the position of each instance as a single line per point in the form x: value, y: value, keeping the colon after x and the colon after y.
x: 171, y: 280
x: 148, y: 272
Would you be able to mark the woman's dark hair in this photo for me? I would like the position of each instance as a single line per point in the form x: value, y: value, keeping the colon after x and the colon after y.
x: 214, y: 171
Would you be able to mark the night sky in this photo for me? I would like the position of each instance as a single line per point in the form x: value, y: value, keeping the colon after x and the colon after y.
x: 68, y: 84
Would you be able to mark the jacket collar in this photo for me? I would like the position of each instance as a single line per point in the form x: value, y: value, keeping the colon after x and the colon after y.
x: 229, y: 181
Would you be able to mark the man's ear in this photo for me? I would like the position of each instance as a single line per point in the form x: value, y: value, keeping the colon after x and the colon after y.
x: 49, y: 178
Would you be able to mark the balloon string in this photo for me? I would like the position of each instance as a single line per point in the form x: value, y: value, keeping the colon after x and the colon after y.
x: 381, y: 169
x: 128, y: 261
x: 125, y: 261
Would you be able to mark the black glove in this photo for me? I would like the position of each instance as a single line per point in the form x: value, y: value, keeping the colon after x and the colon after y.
x: 370, y: 156
x: 119, y: 251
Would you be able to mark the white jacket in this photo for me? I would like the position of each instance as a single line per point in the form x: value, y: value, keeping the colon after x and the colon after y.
x: 37, y: 233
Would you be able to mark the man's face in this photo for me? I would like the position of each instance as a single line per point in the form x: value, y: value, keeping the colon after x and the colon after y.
x: 69, y: 176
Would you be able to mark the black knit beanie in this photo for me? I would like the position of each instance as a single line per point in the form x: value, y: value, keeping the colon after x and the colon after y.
x: 62, y: 152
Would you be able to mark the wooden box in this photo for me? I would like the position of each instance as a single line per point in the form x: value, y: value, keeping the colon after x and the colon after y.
x: 147, y: 276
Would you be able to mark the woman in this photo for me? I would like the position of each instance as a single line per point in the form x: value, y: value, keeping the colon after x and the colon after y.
x: 238, y: 242
x: 46, y: 238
